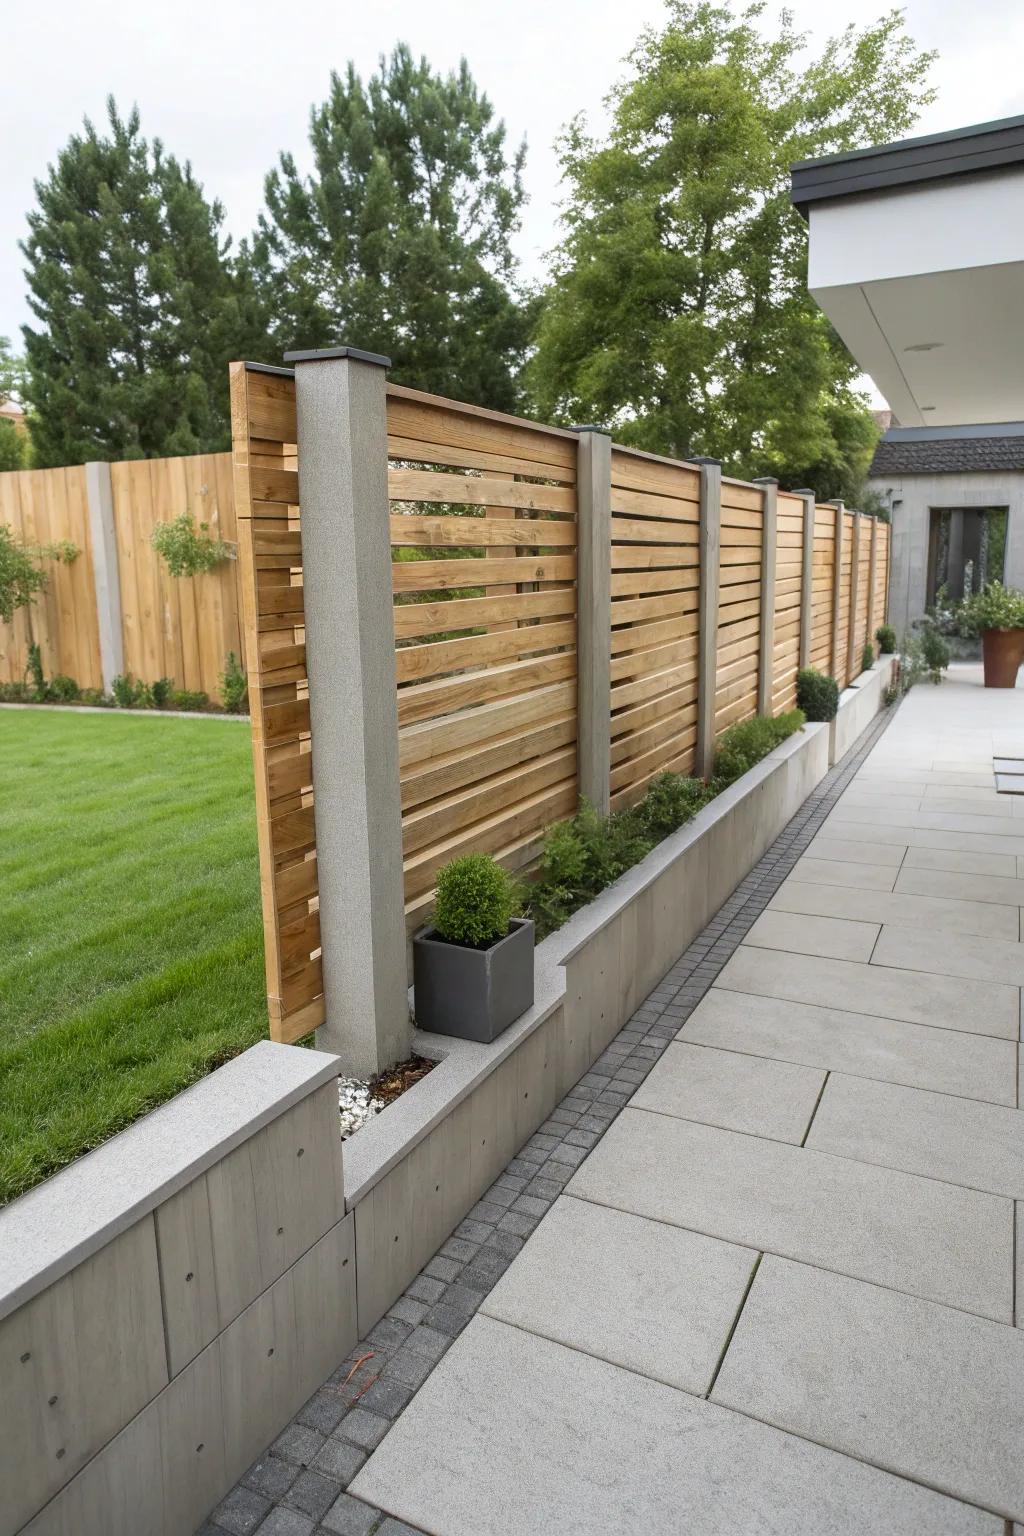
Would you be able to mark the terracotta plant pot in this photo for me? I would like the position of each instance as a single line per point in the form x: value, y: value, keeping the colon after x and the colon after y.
x: 1003, y: 652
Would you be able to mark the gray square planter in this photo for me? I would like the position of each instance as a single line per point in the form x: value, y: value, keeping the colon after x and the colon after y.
x: 473, y: 993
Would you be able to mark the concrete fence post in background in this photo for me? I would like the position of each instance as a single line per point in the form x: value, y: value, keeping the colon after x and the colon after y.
x: 594, y: 615
x: 100, y: 498
x: 806, y: 576
x: 837, y: 581
x: 769, y: 545
x: 852, y: 649
x: 707, y: 640
x: 350, y: 657
x: 872, y: 579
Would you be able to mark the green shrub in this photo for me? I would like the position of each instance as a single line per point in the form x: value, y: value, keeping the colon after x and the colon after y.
x: 186, y: 549
x: 233, y: 685
x: 670, y: 803
x: 160, y: 692
x: 744, y: 744
x: 886, y: 637
x: 97, y: 698
x: 867, y: 657
x: 128, y: 691
x: 994, y: 607
x: 35, y: 672
x: 63, y: 688
x: 192, y: 699
x: 14, y: 693
x: 935, y: 651
x: 476, y: 901
x: 816, y: 694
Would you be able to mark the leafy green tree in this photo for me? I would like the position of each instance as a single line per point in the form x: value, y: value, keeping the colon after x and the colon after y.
x: 678, y: 310
x: 139, y: 305
x: 399, y: 241
x: 13, y: 443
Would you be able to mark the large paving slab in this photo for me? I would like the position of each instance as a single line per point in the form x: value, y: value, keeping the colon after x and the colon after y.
x: 980, y: 1146
x: 847, y: 851
x: 641, y: 1294
x: 920, y: 1389
x: 956, y: 840
x: 865, y: 877
x: 948, y: 860
x: 917, y: 1235
x: 940, y: 914
x: 944, y: 1002
x: 880, y: 813
x: 944, y: 1060
x: 948, y: 954
x: 837, y: 938
x: 513, y: 1435
x: 1005, y: 890
x: 738, y: 1091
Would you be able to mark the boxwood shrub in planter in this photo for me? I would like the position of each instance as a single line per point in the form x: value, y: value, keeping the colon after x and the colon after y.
x: 816, y: 694
x: 473, y: 967
x: 886, y: 637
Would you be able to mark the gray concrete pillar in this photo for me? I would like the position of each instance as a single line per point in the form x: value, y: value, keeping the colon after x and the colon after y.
x: 594, y: 615
x: 769, y: 545
x: 853, y: 646
x: 707, y: 644
x: 955, y: 561
x: 837, y: 576
x: 350, y: 658
x: 810, y: 499
x: 106, y: 575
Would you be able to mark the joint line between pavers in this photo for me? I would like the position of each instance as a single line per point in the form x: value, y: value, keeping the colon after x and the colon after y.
x: 814, y: 1111
x: 735, y: 1324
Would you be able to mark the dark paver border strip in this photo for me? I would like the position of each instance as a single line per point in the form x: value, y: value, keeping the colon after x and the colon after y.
x: 298, y: 1487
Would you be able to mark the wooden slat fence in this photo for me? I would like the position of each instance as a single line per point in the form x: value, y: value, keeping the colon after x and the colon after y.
x: 172, y: 627
x: 654, y: 597
x: 483, y: 528
x: 45, y: 506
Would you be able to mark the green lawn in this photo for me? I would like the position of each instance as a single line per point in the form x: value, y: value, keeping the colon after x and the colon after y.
x: 131, y: 948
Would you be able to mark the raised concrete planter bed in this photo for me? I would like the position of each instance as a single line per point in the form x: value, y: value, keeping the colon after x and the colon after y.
x: 414, y: 1171
x: 858, y: 705
x: 171, y: 1299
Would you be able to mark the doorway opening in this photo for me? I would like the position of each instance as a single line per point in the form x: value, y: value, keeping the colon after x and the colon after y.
x: 966, y: 549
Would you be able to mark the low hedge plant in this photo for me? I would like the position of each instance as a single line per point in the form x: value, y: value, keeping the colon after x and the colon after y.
x: 583, y: 856
x: 816, y: 694
x: 886, y: 637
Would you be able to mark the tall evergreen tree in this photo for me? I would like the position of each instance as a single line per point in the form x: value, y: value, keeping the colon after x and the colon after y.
x: 400, y: 239
x: 679, y: 309
x: 139, y: 306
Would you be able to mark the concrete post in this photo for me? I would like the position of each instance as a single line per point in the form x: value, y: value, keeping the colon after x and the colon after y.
x: 872, y: 580
x: 350, y: 658
x: 806, y: 576
x: 769, y: 545
x: 955, y: 562
x: 707, y: 641
x: 100, y: 498
x: 837, y: 576
x: 594, y: 615
x: 852, y: 658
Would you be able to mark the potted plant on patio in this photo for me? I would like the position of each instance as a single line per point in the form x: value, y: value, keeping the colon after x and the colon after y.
x: 473, y: 967
x: 996, y: 613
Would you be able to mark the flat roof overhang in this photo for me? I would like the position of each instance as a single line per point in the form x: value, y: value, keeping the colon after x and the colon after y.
x: 917, y: 257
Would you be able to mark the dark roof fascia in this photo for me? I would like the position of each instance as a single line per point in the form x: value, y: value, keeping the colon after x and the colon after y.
x: 953, y: 434
x: 981, y: 147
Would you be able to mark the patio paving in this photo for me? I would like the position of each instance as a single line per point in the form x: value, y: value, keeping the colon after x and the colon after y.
x: 775, y: 1284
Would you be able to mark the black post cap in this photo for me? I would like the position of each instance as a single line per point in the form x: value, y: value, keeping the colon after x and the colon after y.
x: 327, y: 354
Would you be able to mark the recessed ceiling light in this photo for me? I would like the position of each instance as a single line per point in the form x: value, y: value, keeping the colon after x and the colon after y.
x: 923, y: 346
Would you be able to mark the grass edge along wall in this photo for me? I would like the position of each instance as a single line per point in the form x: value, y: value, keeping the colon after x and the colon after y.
x: 519, y: 613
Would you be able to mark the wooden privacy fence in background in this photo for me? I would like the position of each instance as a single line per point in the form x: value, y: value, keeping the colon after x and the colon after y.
x: 116, y: 608
x: 501, y: 616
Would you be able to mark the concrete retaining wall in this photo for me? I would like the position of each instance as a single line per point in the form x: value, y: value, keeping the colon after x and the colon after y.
x: 169, y: 1301
x: 413, y: 1173
x: 858, y: 706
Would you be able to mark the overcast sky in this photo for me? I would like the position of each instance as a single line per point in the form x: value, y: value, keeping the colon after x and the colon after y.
x: 229, y: 83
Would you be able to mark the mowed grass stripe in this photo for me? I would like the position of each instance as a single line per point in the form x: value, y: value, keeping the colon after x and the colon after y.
x: 130, y: 932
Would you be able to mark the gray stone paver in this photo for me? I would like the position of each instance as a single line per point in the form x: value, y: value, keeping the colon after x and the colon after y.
x: 383, y: 1363
x: 926, y: 1391
x: 735, y: 1091
x: 517, y: 1434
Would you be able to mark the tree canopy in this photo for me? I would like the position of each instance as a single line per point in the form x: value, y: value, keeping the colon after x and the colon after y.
x: 400, y: 239
x: 139, y: 307
x: 678, y: 310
